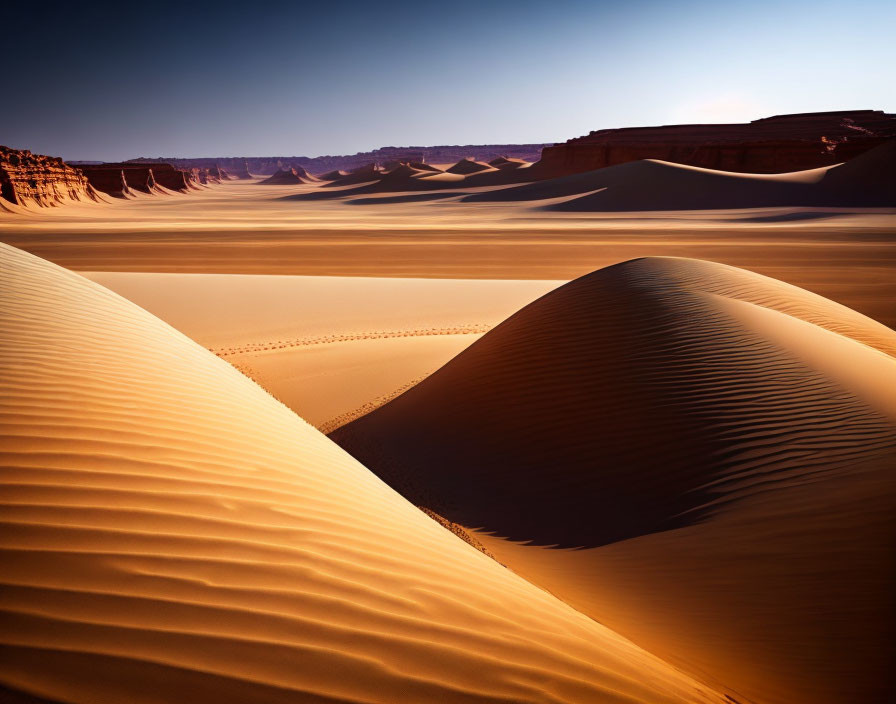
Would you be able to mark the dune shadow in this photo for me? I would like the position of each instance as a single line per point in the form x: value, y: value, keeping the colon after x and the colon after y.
x: 790, y: 217
x: 405, y: 198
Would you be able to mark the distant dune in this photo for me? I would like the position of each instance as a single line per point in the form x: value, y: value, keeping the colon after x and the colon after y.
x: 172, y: 531
x: 468, y: 166
x: 869, y: 180
x: 287, y: 177
x: 503, y: 162
x: 696, y: 455
x: 333, y: 175
x: 424, y: 167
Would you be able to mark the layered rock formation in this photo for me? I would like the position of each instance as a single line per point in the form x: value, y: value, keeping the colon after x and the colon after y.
x: 119, y: 179
x: 34, y: 179
x: 204, y: 176
x: 771, y: 145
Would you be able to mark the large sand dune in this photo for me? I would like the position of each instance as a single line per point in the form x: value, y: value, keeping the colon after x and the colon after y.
x: 697, y: 455
x: 171, y: 532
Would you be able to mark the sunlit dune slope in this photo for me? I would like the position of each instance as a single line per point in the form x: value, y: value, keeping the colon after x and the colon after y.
x: 170, y: 533
x: 719, y: 445
x: 866, y: 181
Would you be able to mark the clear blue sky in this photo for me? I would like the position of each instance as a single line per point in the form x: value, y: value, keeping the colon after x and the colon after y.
x: 156, y: 78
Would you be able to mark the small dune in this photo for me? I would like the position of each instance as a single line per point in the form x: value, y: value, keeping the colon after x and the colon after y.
x: 171, y: 531
x: 465, y: 167
x: 699, y: 456
x: 288, y: 177
x: 503, y: 162
x: 333, y: 175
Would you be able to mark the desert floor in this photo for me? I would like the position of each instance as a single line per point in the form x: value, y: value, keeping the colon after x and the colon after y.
x: 243, y: 228
x: 335, y: 307
x: 371, y: 297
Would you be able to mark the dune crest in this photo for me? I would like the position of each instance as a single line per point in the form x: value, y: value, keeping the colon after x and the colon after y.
x: 173, y: 531
x: 713, y: 449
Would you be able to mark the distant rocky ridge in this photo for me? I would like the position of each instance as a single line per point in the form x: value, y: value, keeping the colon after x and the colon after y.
x: 34, y: 179
x: 386, y: 157
x: 771, y: 145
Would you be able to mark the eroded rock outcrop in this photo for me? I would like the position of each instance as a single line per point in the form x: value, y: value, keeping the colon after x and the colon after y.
x: 34, y: 179
x: 120, y: 179
x: 771, y: 145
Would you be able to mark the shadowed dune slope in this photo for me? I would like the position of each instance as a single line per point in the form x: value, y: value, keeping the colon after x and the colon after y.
x: 468, y: 166
x: 333, y: 175
x: 170, y: 532
x: 717, y: 444
x: 424, y: 167
x: 288, y: 177
x: 866, y: 181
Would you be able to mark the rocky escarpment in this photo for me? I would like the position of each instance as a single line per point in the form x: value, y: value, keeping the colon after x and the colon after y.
x: 771, y: 145
x: 120, y: 179
x: 33, y: 179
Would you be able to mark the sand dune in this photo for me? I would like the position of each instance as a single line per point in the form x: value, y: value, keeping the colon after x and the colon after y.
x: 172, y: 531
x: 696, y: 455
x: 328, y: 347
x: 465, y: 167
x: 401, y: 178
x: 424, y: 167
x: 867, y: 181
x: 502, y: 162
x: 287, y: 177
x: 364, y: 174
x: 332, y: 175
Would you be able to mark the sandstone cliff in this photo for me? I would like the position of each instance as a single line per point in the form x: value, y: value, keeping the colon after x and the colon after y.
x: 772, y: 145
x: 120, y: 179
x: 33, y: 179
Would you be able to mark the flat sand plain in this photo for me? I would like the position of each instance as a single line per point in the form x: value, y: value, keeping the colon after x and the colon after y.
x: 330, y: 348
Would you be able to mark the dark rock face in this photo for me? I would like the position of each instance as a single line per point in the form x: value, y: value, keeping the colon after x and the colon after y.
x: 34, y: 179
x: 238, y: 169
x: 118, y: 179
x: 215, y: 175
x: 771, y: 145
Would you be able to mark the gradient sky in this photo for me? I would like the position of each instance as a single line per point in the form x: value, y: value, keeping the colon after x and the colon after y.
x: 154, y: 78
